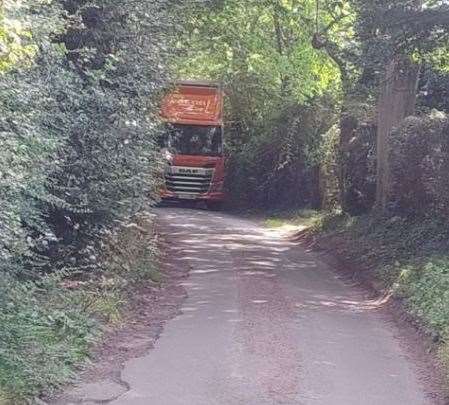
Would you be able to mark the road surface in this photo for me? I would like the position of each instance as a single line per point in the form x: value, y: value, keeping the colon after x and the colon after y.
x: 266, y: 323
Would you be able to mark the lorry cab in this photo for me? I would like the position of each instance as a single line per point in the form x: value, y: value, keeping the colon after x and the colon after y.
x: 193, y: 142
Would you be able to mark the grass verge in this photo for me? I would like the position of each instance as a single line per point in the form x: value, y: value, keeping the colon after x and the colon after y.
x: 299, y: 219
x: 49, y: 326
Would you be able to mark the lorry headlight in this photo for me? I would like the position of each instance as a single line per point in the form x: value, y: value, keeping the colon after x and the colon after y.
x: 217, y: 187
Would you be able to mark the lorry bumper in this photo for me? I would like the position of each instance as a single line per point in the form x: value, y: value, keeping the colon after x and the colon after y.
x: 207, y: 197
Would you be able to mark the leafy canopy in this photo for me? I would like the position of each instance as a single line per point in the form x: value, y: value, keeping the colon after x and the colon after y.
x: 262, y: 51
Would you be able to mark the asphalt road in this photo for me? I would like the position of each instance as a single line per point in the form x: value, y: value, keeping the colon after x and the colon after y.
x: 265, y: 323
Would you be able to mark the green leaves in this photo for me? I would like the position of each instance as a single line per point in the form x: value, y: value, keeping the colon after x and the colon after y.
x: 44, y: 333
x: 78, y: 119
x: 262, y: 51
x: 426, y: 289
x: 269, y: 43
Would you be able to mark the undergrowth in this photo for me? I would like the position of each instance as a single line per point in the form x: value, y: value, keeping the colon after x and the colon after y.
x: 301, y: 217
x: 46, y: 331
x: 50, y: 325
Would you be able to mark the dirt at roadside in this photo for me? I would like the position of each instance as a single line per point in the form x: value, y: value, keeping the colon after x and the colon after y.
x: 149, y: 308
x: 419, y: 346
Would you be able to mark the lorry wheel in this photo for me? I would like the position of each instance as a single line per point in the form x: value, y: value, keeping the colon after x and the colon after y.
x: 214, y: 205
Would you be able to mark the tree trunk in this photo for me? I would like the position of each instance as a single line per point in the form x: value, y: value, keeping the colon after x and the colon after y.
x: 397, y: 101
x: 348, y: 126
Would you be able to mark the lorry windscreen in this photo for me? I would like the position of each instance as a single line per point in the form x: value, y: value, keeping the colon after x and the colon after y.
x: 194, y: 140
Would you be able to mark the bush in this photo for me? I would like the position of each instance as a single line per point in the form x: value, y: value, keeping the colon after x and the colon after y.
x: 419, y: 166
x: 77, y: 132
x: 26, y: 159
x: 348, y: 160
x: 278, y: 166
x: 329, y: 170
x: 78, y: 162
x: 360, y: 170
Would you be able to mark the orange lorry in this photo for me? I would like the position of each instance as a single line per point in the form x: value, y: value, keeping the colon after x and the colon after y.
x: 193, y: 143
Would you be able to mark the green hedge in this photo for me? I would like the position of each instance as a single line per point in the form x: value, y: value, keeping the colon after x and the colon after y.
x: 78, y: 120
x: 420, y: 166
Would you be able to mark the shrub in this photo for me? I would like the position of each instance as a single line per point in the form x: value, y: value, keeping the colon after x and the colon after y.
x: 360, y: 172
x: 278, y: 167
x: 77, y: 161
x: 27, y: 157
x: 329, y: 170
x: 348, y: 160
x: 419, y: 166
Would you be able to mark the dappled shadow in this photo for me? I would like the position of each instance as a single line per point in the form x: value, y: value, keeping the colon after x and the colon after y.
x: 207, y: 242
x: 252, y: 294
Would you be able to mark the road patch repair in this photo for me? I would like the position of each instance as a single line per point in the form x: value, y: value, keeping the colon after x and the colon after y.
x: 151, y: 306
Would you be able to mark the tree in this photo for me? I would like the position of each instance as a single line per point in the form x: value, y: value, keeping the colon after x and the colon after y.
x: 397, y: 101
x: 272, y: 75
x: 392, y: 34
x: 382, y: 45
x: 108, y: 168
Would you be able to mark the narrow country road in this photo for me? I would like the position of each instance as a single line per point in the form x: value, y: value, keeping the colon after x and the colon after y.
x: 265, y: 323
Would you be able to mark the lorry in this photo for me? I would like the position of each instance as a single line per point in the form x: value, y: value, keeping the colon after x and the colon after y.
x: 192, y: 143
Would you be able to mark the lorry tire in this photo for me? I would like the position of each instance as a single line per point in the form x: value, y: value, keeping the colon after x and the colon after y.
x: 214, y: 205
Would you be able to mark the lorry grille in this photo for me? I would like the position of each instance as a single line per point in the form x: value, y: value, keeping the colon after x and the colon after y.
x: 189, y: 180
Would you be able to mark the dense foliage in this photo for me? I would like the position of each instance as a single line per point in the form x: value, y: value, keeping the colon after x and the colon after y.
x: 79, y: 87
x: 284, y: 62
x: 390, y: 41
x: 108, y: 166
x: 79, y: 84
x: 281, y: 94
x: 420, y: 164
